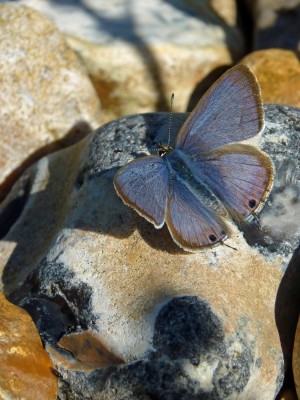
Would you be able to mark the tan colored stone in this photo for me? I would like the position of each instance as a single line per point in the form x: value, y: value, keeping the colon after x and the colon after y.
x: 278, y: 73
x: 25, y: 367
x: 47, y: 100
x: 146, y: 85
x: 296, y: 360
x: 137, y: 53
x: 226, y: 9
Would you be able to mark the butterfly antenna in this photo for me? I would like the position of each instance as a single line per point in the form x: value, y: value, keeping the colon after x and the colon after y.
x: 170, y: 120
x: 227, y: 245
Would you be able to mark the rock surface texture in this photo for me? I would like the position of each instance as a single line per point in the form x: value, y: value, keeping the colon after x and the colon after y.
x: 278, y: 73
x: 46, y: 100
x: 139, y: 52
x: 218, y: 324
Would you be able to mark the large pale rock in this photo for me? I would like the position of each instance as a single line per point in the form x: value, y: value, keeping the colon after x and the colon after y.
x: 276, y: 23
x: 278, y: 73
x: 139, y: 52
x: 46, y: 100
x: 217, y: 324
x: 25, y: 367
x: 226, y: 9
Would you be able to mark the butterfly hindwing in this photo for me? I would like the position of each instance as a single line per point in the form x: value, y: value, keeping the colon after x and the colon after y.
x: 230, y: 111
x: 143, y: 185
x: 240, y: 175
x: 190, y: 223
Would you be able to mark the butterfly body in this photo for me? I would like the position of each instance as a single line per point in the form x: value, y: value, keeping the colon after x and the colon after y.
x: 181, y: 168
x: 206, y: 176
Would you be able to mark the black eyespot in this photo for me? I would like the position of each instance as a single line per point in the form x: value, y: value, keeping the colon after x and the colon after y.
x: 252, y: 203
x: 212, y: 238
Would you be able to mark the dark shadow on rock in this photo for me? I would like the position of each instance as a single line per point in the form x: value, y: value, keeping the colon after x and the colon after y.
x: 78, y: 131
x: 284, y: 33
x: 246, y: 23
x: 124, y: 220
x: 12, y: 211
x: 56, y: 306
x: 287, y: 308
x: 187, y: 334
x: 159, y: 239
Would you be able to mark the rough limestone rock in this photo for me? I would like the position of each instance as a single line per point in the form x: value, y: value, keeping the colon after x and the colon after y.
x: 139, y: 52
x: 46, y: 100
x: 218, y: 324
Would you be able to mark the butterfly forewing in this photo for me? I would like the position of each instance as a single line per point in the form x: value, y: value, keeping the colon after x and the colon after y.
x: 190, y: 223
x: 230, y: 111
x: 143, y: 185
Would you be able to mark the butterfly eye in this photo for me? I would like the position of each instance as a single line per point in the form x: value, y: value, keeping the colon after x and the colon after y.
x: 161, y: 152
x: 212, y: 238
x: 163, y: 149
x: 252, y: 203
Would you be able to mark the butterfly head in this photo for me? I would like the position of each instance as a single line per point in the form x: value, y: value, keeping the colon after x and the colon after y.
x: 163, y: 149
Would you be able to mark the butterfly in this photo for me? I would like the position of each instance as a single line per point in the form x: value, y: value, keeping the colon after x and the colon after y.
x: 206, y: 177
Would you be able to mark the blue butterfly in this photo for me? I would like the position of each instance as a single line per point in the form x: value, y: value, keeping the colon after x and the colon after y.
x: 195, y: 186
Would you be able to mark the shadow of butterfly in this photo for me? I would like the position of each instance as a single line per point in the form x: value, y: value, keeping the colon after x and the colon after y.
x: 206, y: 177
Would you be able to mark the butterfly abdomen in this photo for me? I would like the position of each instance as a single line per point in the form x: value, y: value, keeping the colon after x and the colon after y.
x: 180, y: 168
